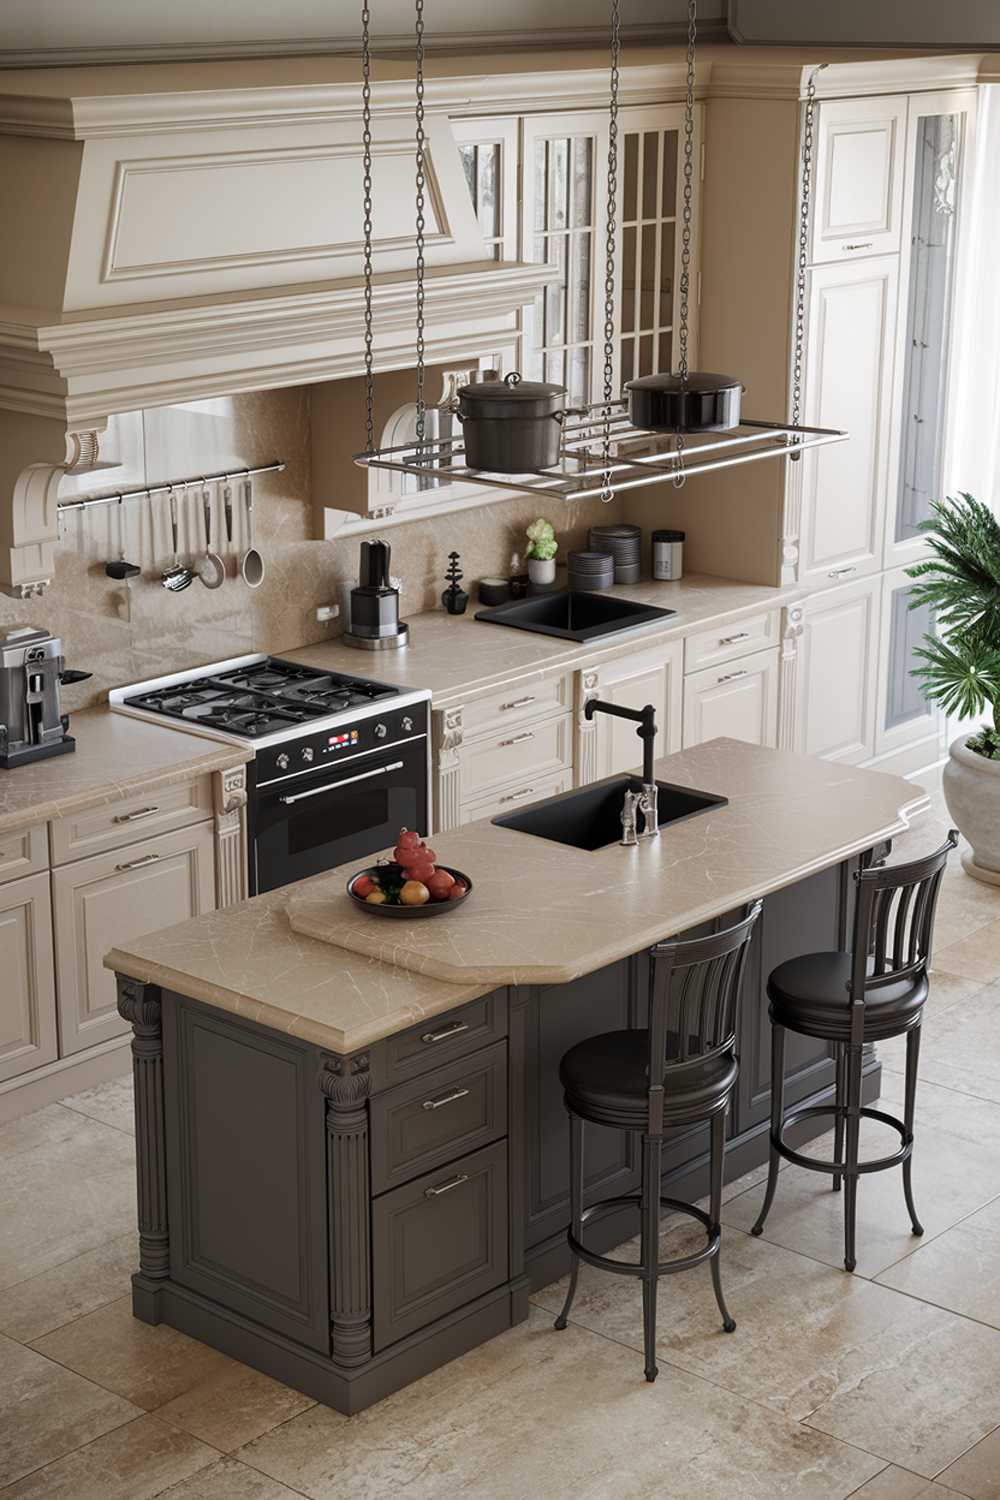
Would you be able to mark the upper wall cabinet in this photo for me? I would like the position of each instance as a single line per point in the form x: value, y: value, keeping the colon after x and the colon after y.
x: 859, y: 178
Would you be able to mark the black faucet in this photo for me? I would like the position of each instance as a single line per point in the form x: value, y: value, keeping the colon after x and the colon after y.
x: 646, y: 720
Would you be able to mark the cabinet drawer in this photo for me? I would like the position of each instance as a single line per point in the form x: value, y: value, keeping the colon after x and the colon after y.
x: 515, y: 705
x: 429, y: 1121
x: 439, y: 1242
x: 739, y: 700
x: 24, y: 852
x: 509, y: 799
x: 708, y: 648
x: 133, y: 818
x: 536, y: 749
x: 414, y: 1053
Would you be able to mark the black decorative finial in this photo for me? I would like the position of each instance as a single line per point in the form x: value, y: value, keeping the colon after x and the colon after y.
x: 454, y: 598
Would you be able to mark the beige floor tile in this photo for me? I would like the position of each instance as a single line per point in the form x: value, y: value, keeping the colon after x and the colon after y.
x: 976, y: 956
x: 233, y: 1405
x: 230, y: 1480
x: 977, y: 1473
x: 956, y: 1171
x: 959, y: 1270
x: 46, y: 1411
x: 960, y: 1049
x: 64, y: 1197
x: 897, y: 1484
x: 43, y: 1127
x: 148, y: 1365
x: 37, y: 1306
x: 112, y: 1103
x: 134, y: 1463
x: 804, y: 1330
x: 548, y: 1414
x: 947, y: 992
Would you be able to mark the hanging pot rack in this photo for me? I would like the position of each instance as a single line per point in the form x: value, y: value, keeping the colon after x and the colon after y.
x: 602, y: 451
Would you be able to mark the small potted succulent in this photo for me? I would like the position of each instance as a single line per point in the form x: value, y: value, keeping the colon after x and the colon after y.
x: 542, y: 549
x: 960, y: 669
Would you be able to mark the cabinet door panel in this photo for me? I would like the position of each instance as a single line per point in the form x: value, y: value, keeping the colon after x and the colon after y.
x: 852, y: 310
x: 905, y: 722
x: 739, y: 700
x: 27, y: 991
x: 859, y: 178
x: 653, y: 676
x: 837, y: 673
x: 112, y: 898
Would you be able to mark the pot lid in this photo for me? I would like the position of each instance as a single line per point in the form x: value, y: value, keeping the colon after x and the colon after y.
x: 695, y: 382
x: 512, y: 388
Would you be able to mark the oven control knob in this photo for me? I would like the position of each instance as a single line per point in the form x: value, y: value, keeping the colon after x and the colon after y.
x: 281, y: 761
x: 380, y: 731
x: 407, y: 725
x: 307, y: 754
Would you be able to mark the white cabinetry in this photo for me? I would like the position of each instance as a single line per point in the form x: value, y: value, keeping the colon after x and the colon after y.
x: 739, y: 699
x: 27, y: 987
x: 837, y: 672
x: 906, y: 725
x: 859, y: 177
x: 606, y: 745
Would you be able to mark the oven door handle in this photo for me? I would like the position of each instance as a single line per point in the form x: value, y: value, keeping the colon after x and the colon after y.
x: 335, y: 786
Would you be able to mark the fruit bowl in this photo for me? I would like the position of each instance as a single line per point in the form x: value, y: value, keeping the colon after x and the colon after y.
x: 393, y: 872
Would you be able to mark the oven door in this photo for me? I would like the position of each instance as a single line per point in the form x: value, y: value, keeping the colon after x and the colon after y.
x: 306, y: 824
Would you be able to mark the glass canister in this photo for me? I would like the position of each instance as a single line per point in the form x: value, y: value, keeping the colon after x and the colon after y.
x: 668, y: 555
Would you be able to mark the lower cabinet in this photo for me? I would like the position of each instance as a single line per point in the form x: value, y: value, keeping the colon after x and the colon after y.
x: 738, y: 699
x: 906, y: 724
x: 112, y: 898
x: 650, y: 676
x: 27, y: 989
x: 838, y: 672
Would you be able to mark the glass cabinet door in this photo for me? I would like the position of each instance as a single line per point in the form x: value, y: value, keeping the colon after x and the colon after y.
x: 650, y: 250
x: 905, y: 720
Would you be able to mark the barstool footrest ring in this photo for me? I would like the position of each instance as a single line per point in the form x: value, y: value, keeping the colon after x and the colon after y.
x: 597, y: 1211
x: 839, y: 1168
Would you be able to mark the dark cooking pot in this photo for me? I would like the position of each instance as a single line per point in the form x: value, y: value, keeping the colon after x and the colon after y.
x: 511, y: 425
x: 697, y: 403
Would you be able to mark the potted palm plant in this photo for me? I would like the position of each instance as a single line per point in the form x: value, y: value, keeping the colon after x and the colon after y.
x: 960, y: 669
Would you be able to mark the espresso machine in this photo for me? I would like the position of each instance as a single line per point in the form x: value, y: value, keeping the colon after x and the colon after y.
x: 375, y: 622
x: 32, y: 669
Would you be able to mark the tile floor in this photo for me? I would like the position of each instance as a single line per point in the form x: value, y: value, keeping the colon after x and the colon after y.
x: 884, y: 1385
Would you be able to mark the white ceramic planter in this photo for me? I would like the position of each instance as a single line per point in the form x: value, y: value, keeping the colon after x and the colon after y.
x: 972, y: 791
x: 542, y: 569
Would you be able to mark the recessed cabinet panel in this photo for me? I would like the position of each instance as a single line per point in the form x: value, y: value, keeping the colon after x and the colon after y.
x: 27, y: 987
x: 848, y: 383
x: 838, y: 671
x: 905, y: 720
x: 23, y: 852
x: 859, y: 179
x: 739, y: 700
x: 652, y: 676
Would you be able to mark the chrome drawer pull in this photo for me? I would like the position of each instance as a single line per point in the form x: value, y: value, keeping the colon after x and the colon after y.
x: 529, y: 734
x: 857, y: 245
x: 444, y: 1099
x: 133, y: 817
x: 525, y: 791
x: 517, y: 703
x: 448, y: 1031
x: 336, y: 786
x: 842, y: 572
x: 136, y: 864
x: 730, y: 676
x: 446, y: 1187
x: 730, y: 640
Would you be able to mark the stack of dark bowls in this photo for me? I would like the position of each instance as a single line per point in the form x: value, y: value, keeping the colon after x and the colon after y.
x: 590, y: 570
x: 623, y: 544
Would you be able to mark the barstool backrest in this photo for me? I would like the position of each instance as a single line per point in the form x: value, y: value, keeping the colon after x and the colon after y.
x: 894, y: 924
x: 695, y: 985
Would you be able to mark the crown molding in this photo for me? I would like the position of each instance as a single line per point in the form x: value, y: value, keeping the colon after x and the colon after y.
x: 774, y: 78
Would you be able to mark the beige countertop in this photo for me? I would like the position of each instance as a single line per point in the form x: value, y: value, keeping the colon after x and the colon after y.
x: 540, y: 911
x: 115, y: 757
x: 458, y: 656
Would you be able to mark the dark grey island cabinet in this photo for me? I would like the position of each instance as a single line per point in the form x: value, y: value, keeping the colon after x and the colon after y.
x: 348, y: 1223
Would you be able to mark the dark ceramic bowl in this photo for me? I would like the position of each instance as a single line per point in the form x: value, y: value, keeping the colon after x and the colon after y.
x: 430, y: 909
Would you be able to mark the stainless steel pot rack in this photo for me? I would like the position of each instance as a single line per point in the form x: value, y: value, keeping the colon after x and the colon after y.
x: 165, y: 489
x: 636, y: 458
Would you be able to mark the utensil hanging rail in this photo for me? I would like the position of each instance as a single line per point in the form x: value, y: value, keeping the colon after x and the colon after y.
x: 176, y: 484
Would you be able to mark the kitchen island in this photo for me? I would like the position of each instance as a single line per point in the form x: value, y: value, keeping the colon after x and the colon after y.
x: 352, y: 1149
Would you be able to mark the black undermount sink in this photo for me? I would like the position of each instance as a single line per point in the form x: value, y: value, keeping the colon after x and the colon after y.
x: 590, y: 818
x: 574, y: 615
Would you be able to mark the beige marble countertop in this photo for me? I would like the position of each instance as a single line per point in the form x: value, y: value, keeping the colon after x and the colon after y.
x: 540, y: 912
x: 459, y: 657
x: 115, y: 757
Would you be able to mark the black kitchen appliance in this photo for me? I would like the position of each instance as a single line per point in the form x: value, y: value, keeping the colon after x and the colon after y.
x: 32, y: 669
x: 375, y: 622
x: 512, y: 426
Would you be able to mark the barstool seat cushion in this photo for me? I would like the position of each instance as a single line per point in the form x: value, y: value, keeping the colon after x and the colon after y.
x: 606, y: 1079
x: 810, y: 995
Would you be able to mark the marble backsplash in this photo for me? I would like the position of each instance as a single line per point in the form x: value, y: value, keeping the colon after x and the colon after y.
x: 124, y: 635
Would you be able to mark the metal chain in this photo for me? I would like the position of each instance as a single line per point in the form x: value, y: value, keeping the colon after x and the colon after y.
x: 610, y: 239
x: 421, y: 183
x: 366, y: 157
x: 686, y: 218
x: 803, y: 253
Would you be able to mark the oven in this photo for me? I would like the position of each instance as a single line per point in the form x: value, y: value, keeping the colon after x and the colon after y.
x: 314, y: 819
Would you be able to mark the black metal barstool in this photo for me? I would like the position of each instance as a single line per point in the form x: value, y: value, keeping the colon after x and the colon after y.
x: 874, y: 992
x: 679, y: 1071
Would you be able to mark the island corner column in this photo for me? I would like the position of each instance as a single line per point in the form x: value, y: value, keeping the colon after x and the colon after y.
x: 140, y: 1005
x: 346, y: 1085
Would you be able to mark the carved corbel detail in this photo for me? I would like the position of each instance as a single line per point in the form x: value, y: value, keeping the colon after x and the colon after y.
x: 139, y: 1004
x: 230, y: 795
x: 36, y: 453
x: 346, y: 1085
x: 588, y: 685
x: 792, y: 626
x: 449, y: 733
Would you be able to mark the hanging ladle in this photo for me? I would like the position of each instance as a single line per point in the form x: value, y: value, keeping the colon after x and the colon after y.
x: 177, y: 576
x: 211, y: 569
x: 251, y: 563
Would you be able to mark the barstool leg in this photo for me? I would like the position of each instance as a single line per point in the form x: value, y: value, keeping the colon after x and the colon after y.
x: 851, y: 1158
x: 839, y: 1099
x: 575, y: 1207
x: 909, y: 1108
x: 652, y: 1153
x: 777, y: 1111
x: 716, y: 1168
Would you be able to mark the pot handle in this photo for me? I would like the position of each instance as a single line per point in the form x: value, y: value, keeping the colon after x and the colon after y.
x: 570, y: 411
